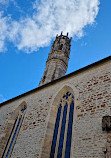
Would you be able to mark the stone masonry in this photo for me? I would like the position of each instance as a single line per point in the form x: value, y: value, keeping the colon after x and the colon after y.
x: 57, y: 62
x: 92, y: 97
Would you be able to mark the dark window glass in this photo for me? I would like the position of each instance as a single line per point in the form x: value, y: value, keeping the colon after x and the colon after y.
x: 14, y: 132
x: 69, y: 132
x: 67, y: 95
x: 60, y: 47
x: 13, y: 137
x: 55, y: 133
x: 67, y: 155
x: 61, y: 140
x: 23, y: 109
x: 62, y: 130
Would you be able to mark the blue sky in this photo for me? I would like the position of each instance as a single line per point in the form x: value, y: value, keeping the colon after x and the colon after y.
x: 28, y: 28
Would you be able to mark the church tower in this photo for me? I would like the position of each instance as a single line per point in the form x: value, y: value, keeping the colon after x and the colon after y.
x: 57, y: 62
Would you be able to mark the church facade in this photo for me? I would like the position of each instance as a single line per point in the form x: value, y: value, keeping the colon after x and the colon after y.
x: 65, y: 117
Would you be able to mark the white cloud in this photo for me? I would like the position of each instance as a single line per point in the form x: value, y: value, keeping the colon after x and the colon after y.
x: 2, y: 99
x: 83, y: 44
x: 3, y: 31
x: 50, y: 17
x: 2, y: 2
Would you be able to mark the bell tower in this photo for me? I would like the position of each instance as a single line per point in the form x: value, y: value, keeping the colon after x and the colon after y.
x: 57, y: 62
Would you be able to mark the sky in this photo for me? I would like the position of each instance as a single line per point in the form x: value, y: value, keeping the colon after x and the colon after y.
x: 28, y: 29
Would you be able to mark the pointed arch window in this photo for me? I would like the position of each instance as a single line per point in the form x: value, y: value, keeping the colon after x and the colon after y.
x: 19, y: 112
x: 61, y: 143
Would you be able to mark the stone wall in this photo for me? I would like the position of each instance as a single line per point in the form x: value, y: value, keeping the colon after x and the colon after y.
x: 95, y: 102
x: 92, y: 92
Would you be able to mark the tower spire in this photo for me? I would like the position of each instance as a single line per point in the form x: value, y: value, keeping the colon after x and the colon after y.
x: 57, y: 62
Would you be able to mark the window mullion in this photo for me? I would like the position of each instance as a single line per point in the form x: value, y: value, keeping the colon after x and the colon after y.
x: 59, y: 130
x: 66, y: 128
x: 69, y: 130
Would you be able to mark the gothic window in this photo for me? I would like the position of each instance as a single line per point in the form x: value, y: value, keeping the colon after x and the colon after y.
x: 15, y: 130
x: 61, y: 143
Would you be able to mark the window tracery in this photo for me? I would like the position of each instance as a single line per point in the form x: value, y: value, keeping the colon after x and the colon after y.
x: 61, y: 143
